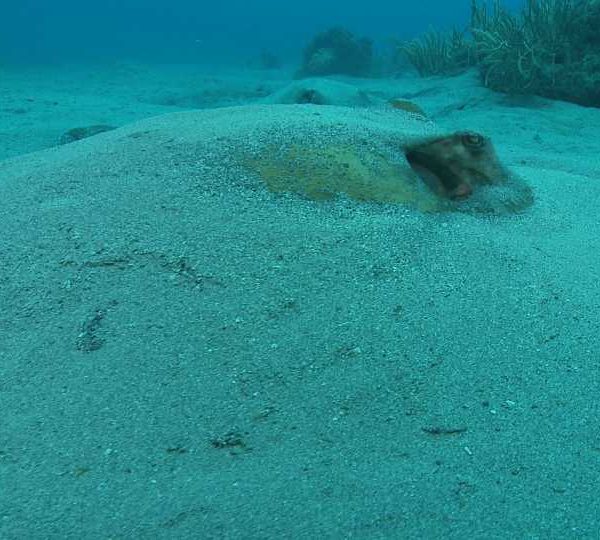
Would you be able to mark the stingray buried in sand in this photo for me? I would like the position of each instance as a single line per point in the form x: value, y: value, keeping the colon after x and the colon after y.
x: 383, y: 156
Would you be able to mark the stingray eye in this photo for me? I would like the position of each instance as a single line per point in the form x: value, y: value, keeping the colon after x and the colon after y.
x: 473, y: 140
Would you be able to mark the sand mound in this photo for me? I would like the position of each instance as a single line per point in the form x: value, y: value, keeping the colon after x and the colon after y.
x: 178, y: 341
x: 323, y: 92
x: 319, y: 153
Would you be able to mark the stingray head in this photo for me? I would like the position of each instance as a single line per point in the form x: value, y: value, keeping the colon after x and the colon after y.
x: 455, y: 165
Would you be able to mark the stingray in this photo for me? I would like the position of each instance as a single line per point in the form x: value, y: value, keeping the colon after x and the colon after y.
x: 389, y: 156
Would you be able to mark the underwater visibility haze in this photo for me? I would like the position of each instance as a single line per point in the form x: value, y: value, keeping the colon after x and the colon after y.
x: 202, y: 32
x: 316, y: 270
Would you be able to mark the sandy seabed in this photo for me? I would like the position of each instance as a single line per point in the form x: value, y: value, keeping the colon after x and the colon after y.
x: 185, y: 355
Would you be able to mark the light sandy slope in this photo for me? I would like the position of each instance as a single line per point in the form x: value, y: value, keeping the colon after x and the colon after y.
x: 184, y: 355
x: 38, y: 104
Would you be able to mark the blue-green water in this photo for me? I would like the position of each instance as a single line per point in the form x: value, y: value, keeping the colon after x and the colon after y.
x: 202, y: 31
x: 250, y: 293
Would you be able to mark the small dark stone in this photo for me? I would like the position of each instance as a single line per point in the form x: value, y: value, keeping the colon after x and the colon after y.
x: 78, y: 133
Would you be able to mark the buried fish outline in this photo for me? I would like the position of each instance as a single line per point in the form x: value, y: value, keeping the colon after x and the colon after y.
x: 384, y: 156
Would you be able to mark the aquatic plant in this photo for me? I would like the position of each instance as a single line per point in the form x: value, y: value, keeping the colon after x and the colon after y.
x: 438, y: 53
x: 551, y: 48
x: 337, y: 52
